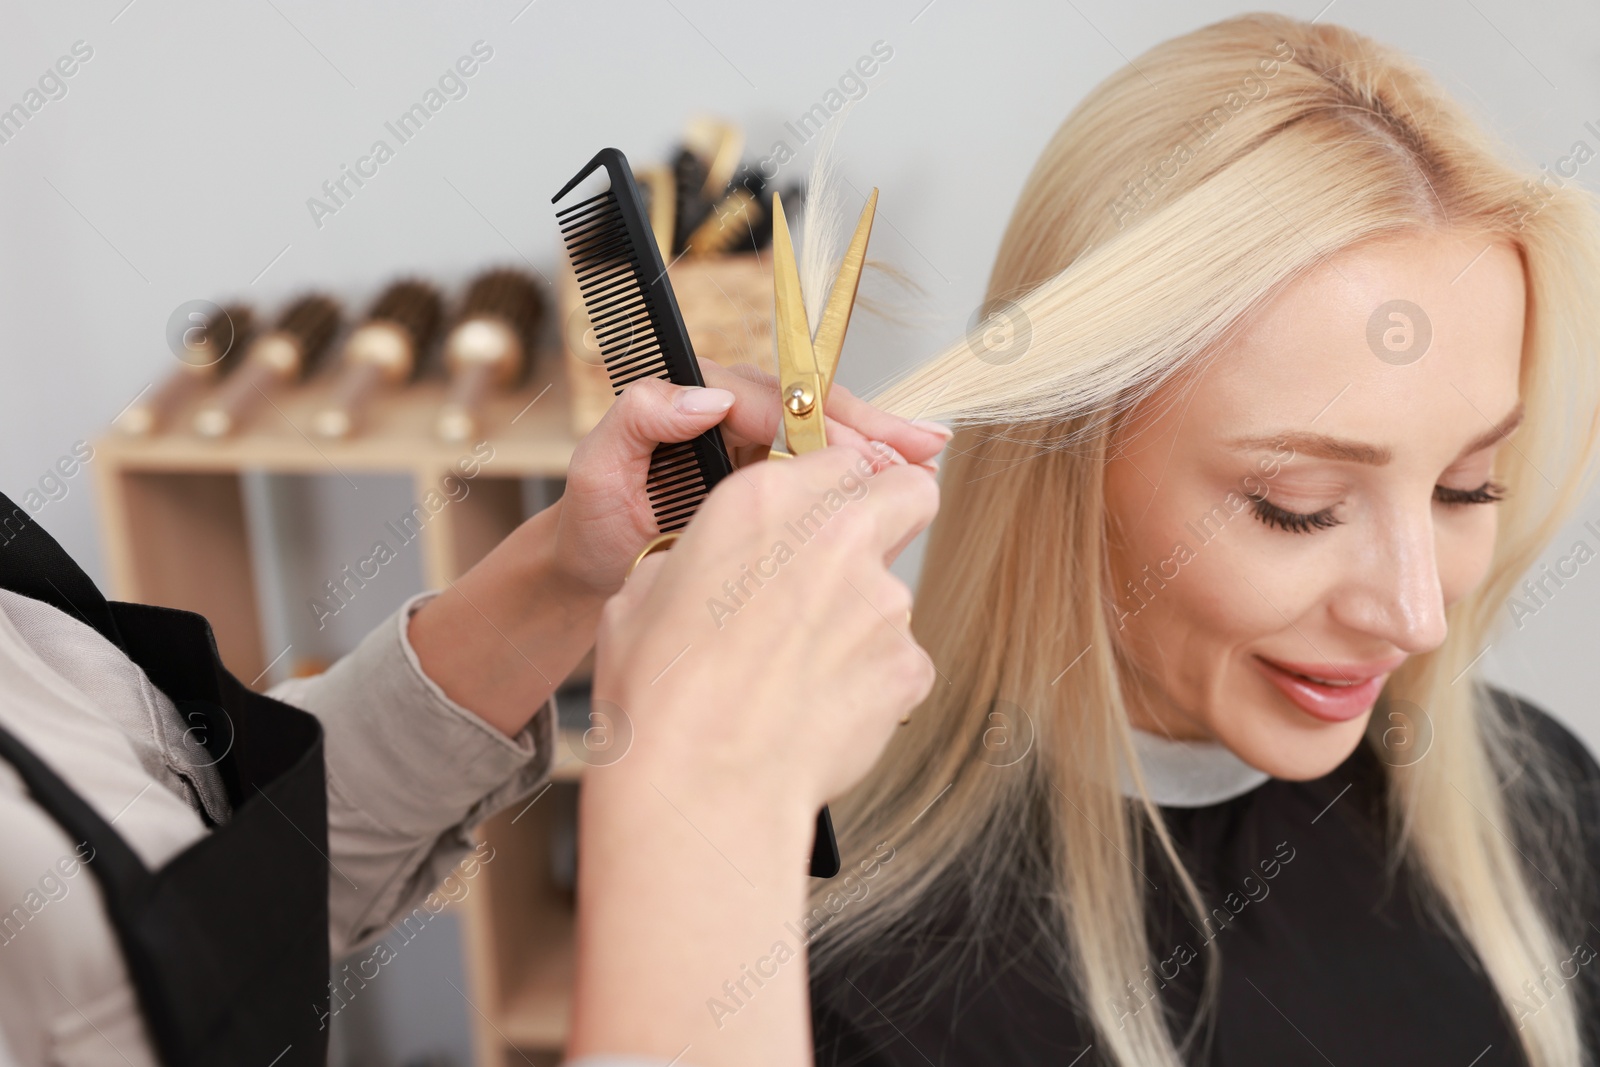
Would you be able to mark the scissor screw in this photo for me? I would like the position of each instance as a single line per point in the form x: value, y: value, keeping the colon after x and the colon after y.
x: 798, y: 399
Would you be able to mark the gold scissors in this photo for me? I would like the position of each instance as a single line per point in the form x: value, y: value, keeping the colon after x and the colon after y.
x: 806, y: 364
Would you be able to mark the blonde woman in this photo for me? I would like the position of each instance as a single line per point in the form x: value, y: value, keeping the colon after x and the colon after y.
x: 1289, y: 379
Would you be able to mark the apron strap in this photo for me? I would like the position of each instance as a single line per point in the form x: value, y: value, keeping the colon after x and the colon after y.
x: 118, y: 869
x: 34, y: 565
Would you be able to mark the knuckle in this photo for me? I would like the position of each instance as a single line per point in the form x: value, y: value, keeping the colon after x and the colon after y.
x: 753, y: 503
x: 631, y: 397
x: 748, y: 488
x: 848, y: 533
x: 770, y: 494
x: 642, y: 396
x: 826, y: 465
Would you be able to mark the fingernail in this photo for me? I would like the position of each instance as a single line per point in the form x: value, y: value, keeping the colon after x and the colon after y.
x: 887, y: 451
x: 694, y: 400
x: 934, y: 427
x: 930, y: 465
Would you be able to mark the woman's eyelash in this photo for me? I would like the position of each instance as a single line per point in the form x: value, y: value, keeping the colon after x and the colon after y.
x: 1295, y: 522
x: 1487, y: 493
x: 1292, y: 521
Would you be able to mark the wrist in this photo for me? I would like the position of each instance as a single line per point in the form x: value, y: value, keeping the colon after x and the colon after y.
x: 578, y: 568
x: 725, y: 887
x: 772, y: 816
x: 539, y: 568
x: 500, y: 638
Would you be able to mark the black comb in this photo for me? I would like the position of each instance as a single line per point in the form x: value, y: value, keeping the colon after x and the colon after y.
x: 640, y: 332
x: 638, y: 327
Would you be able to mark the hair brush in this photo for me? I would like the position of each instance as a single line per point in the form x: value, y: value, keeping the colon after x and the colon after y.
x: 283, y: 354
x: 640, y: 333
x: 488, y: 346
x: 213, y: 345
x: 385, y: 350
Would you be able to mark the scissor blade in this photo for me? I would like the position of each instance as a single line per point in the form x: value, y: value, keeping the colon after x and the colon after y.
x: 842, y: 298
x: 797, y: 362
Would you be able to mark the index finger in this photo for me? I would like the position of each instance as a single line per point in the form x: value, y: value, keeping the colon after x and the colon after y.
x: 755, y: 414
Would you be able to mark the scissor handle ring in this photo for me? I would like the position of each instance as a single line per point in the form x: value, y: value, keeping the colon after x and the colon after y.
x: 658, y: 543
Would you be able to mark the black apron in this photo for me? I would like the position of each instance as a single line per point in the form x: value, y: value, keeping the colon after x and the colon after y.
x: 226, y: 945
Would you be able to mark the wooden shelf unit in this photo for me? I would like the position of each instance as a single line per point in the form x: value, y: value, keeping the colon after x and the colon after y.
x: 173, y: 521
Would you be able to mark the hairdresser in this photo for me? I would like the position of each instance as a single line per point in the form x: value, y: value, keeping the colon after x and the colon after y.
x: 180, y: 857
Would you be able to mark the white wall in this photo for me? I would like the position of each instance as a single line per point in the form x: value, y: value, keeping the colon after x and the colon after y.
x: 179, y: 164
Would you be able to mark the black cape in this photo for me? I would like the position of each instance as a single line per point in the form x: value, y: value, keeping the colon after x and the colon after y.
x: 1326, y: 958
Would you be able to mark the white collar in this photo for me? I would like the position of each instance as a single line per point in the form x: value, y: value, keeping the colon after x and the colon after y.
x: 1189, y: 774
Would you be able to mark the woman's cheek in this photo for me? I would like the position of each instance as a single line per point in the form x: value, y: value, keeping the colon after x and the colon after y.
x: 1464, y: 551
x: 1228, y: 592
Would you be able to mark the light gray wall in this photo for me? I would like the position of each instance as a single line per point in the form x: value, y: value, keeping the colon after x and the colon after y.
x: 179, y: 162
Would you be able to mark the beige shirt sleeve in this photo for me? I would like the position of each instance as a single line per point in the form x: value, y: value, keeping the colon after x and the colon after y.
x: 410, y: 773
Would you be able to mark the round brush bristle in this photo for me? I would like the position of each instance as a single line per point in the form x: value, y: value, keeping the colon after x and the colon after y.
x: 415, y: 307
x: 228, y: 334
x: 311, y: 321
x: 507, y: 294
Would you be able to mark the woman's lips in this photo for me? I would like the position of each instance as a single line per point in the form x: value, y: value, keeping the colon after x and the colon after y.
x: 1330, y: 703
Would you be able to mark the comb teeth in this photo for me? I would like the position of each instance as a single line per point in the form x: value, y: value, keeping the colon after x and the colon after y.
x: 637, y: 327
x: 615, y: 290
x: 674, y: 485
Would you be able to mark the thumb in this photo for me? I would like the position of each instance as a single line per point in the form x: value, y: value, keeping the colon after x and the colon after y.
x: 651, y: 411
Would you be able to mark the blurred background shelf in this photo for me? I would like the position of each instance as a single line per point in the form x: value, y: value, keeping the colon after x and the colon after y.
x: 173, y: 512
x: 529, y: 429
x: 174, y: 509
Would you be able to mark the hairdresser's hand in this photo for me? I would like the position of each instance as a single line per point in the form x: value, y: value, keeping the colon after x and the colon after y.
x: 753, y: 422
x: 503, y: 636
x: 605, y: 512
x: 766, y: 661
x: 744, y: 719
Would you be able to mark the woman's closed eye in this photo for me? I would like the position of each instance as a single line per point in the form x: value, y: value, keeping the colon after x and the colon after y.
x: 1489, y: 492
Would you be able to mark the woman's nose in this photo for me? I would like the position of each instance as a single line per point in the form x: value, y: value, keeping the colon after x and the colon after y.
x: 1393, y: 590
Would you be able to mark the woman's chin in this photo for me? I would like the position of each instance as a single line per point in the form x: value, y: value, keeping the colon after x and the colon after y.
x: 1286, y: 743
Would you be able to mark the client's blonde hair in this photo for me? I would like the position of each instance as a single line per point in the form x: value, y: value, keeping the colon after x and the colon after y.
x: 1133, y: 252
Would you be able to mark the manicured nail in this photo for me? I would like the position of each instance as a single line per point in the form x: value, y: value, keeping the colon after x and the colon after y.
x: 886, y: 451
x: 934, y: 427
x: 694, y: 400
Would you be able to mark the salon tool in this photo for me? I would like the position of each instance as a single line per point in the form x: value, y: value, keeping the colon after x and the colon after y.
x: 693, y: 205
x: 731, y: 223
x: 806, y: 364
x: 660, y: 190
x: 637, y: 326
x: 383, y: 351
x: 488, y: 347
x: 286, y: 353
x: 641, y: 334
x: 211, y: 347
x: 718, y: 145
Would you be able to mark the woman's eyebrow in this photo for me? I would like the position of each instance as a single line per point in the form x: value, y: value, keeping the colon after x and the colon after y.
x: 1322, y: 446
